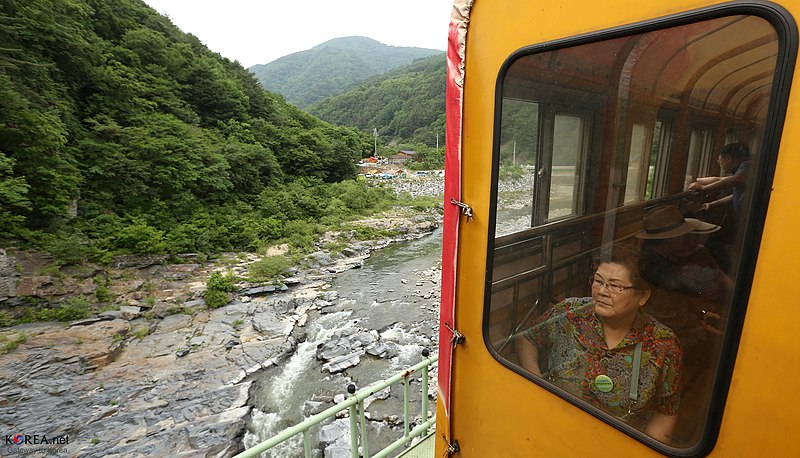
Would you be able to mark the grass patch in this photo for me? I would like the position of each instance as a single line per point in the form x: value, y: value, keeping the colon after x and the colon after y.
x: 75, y: 308
x: 367, y: 232
x: 141, y: 333
x: 8, y: 345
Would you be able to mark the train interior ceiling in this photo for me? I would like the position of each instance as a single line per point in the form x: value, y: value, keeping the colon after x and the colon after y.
x: 615, y: 126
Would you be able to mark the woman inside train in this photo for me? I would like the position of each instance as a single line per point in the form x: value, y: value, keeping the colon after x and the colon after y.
x: 607, y: 351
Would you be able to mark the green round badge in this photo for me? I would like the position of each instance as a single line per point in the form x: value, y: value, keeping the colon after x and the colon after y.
x: 603, y: 383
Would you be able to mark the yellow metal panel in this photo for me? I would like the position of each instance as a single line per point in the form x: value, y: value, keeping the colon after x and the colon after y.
x: 497, y: 412
x: 760, y: 416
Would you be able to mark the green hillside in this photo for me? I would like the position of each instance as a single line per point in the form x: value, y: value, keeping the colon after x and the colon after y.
x: 406, y: 105
x: 120, y: 133
x: 306, y: 77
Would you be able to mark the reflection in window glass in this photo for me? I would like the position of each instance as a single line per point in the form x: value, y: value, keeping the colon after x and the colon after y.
x: 567, y: 144
x: 636, y: 162
x: 659, y: 157
x: 603, y: 266
x: 695, y: 149
x: 519, y: 137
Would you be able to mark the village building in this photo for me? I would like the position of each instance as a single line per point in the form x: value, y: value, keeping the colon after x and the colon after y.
x: 402, y: 156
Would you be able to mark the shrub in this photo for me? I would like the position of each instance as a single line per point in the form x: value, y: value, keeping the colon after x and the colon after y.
x: 215, y: 298
x: 67, y: 247
x: 336, y: 211
x: 75, y: 308
x: 355, y: 195
x: 511, y: 172
x: 300, y: 235
x: 184, y: 238
x: 219, y: 282
x: 217, y: 289
x: 103, y: 294
x: 5, y: 320
x: 268, y: 269
x: 141, y: 238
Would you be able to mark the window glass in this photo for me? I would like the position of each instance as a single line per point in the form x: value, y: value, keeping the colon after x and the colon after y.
x: 625, y: 171
x: 519, y: 139
x: 654, y: 157
x: 519, y: 136
x: 567, y: 153
x: 696, y: 141
x: 636, y: 162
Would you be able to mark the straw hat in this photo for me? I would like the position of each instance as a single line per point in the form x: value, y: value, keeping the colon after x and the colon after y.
x: 666, y: 222
x: 703, y: 227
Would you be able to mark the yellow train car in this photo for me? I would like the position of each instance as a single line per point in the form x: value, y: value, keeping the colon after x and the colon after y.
x: 576, y: 128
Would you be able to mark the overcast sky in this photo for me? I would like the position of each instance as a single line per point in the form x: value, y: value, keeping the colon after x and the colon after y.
x: 260, y: 31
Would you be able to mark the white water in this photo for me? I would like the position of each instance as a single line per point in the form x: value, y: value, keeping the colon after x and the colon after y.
x: 382, y: 295
x: 285, y: 385
x: 283, y: 396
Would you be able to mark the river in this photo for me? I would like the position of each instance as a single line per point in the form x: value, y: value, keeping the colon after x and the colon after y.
x: 395, y: 294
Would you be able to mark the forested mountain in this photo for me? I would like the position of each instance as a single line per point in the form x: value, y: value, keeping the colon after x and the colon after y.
x: 406, y: 105
x: 306, y: 77
x: 119, y: 132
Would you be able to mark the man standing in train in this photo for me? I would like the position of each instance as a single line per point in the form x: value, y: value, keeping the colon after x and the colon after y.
x: 733, y: 161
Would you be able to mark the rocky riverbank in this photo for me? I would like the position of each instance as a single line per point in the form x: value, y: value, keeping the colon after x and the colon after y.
x: 162, y: 375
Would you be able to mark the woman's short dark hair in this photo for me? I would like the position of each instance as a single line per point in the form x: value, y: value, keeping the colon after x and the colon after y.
x: 627, y: 255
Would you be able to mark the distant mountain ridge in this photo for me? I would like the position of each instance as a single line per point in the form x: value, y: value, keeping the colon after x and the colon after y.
x: 306, y: 77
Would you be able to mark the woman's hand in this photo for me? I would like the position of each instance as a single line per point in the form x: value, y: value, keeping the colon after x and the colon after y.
x: 528, y: 355
x: 660, y: 427
x: 712, y: 317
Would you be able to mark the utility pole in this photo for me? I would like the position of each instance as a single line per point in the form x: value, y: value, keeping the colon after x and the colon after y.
x: 375, y: 135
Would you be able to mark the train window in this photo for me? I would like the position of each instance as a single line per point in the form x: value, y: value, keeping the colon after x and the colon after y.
x: 638, y: 162
x: 699, y: 155
x: 519, y: 149
x: 658, y: 183
x: 565, y: 170
x: 624, y: 172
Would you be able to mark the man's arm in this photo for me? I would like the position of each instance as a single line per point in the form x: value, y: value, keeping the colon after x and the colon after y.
x: 698, y: 184
x: 720, y: 183
x: 716, y: 203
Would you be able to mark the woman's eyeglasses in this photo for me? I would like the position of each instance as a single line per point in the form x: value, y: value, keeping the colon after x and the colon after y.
x: 614, y: 288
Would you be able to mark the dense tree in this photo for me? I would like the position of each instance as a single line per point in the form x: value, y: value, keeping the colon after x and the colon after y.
x: 13, y: 196
x: 405, y: 105
x: 118, y: 132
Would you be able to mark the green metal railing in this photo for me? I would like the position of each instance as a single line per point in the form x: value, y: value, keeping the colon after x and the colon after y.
x: 355, y: 405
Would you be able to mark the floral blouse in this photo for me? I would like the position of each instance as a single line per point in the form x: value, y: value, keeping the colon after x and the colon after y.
x: 571, y: 341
